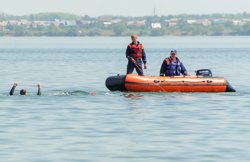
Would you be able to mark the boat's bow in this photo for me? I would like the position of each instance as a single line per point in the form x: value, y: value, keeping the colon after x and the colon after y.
x: 116, y: 83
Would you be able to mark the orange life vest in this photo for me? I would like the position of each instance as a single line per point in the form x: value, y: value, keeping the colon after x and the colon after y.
x: 135, y: 50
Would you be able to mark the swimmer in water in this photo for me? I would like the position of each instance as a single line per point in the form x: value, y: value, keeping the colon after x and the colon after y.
x: 24, y: 91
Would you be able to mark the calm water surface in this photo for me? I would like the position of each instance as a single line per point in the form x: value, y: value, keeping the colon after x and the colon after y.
x: 67, y: 123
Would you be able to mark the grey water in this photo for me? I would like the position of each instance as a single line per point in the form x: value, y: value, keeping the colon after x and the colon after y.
x: 78, y: 119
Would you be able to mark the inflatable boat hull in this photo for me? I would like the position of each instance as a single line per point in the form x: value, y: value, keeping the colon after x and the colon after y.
x: 136, y: 83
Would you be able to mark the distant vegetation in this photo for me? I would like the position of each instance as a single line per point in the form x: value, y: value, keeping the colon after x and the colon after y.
x: 63, y: 24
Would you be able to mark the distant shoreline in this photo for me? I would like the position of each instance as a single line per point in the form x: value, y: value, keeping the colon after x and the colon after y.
x: 68, y: 25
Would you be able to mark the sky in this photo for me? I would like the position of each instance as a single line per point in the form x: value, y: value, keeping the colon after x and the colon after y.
x: 124, y: 7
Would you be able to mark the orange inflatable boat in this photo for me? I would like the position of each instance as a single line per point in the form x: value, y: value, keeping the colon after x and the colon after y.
x: 198, y: 83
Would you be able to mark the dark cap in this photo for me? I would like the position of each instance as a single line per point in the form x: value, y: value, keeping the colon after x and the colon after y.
x: 173, y: 51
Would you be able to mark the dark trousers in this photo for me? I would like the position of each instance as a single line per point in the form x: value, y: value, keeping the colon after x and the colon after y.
x: 137, y: 66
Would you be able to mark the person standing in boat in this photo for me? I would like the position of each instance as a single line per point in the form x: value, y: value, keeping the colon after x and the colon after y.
x: 172, y: 66
x: 136, y: 55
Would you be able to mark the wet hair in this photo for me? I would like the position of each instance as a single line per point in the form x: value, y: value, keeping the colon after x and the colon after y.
x: 23, y: 92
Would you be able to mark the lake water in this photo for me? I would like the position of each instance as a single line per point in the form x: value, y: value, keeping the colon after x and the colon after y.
x: 68, y: 123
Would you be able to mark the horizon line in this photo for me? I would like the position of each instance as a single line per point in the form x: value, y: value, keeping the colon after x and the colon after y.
x: 115, y: 15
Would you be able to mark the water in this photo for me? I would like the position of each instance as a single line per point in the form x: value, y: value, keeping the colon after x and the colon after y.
x: 68, y: 123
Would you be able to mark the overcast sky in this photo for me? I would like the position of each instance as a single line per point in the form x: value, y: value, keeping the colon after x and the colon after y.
x: 124, y: 7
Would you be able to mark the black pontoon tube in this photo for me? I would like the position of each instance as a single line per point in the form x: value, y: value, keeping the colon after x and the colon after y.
x: 116, y: 83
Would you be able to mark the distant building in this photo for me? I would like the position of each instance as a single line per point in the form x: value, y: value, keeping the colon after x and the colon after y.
x: 220, y: 21
x: 192, y: 21
x: 136, y: 23
x: 13, y: 22
x: 86, y: 22
x: 36, y: 24
x: 55, y: 22
x: 62, y: 24
x: 24, y: 22
x: 106, y: 18
x: 3, y: 24
x: 170, y: 22
x: 140, y: 23
x: 239, y: 22
x: 2, y: 27
x: 115, y: 21
x: 130, y: 23
x: 107, y: 23
x: 70, y: 23
x: 246, y: 20
x: 156, y: 25
x: 206, y: 22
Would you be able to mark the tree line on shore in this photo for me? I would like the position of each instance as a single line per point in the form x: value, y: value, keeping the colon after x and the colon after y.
x: 63, y: 24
